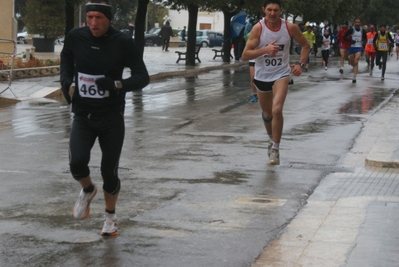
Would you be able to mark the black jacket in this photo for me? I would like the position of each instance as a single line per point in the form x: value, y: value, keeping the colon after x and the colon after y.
x: 107, y: 55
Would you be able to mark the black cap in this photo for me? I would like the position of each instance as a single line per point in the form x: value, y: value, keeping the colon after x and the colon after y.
x: 345, y: 22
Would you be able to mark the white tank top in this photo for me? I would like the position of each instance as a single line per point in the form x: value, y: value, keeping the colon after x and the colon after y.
x: 357, y: 36
x: 325, y: 45
x: 270, y: 68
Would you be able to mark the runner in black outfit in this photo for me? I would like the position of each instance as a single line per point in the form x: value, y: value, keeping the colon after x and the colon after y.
x: 96, y: 56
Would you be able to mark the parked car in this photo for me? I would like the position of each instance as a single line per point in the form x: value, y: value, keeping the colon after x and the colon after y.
x: 208, y: 38
x: 152, y: 37
x: 21, y: 37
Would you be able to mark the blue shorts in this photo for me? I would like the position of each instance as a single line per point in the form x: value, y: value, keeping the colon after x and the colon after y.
x: 354, y: 50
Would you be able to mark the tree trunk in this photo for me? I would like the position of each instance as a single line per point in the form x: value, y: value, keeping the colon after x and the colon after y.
x: 191, y: 34
x: 69, y: 16
x: 140, y: 25
x: 227, y: 36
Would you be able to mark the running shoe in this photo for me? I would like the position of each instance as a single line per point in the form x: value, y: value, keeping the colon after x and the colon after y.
x: 269, y: 148
x: 325, y: 67
x: 341, y: 71
x: 110, y: 227
x: 254, y: 99
x: 353, y: 80
x: 274, y: 157
x: 382, y: 78
x: 82, y: 206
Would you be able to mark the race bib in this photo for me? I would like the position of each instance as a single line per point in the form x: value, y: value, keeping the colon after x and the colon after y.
x: 88, y: 88
x: 382, y: 45
x: 357, y: 39
x: 370, y: 41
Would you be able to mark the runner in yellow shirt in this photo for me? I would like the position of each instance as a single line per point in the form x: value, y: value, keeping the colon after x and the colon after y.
x: 382, y: 42
x: 311, y: 38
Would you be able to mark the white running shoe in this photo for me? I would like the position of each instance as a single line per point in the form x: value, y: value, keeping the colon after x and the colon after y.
x: 82, y: 206
x: 274, y: 157
x: 269, y: 148
x: 110, y: 227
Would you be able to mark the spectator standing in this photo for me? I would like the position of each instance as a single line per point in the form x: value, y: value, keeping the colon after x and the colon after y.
x: 183, y: 34
x: 166, y: 32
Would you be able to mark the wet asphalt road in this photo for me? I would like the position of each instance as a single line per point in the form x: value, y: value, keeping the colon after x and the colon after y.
x: 196, y: 187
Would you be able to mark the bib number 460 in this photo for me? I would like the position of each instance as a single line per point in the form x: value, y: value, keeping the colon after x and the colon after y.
x: 274, y: 62
x: 93, y: 90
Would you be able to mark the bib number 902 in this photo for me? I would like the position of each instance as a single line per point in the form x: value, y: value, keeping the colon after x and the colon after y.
x: 273, y: 62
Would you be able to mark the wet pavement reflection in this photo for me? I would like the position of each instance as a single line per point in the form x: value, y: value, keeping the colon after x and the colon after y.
x: 196, y: 187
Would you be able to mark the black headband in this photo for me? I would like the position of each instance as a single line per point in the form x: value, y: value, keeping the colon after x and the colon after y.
x: 103, y: 8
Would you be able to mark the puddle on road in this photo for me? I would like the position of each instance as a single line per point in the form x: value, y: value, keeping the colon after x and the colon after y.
x: 317, y: 126
x: 227, y: 177
x: 370, y: 99
x: 323, y: 79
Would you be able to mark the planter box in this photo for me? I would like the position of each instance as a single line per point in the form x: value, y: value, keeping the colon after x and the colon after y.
x: 32, y: 72
x: 44, y: 44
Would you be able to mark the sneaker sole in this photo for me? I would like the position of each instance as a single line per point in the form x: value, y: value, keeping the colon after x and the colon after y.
x: 274, y: 163
x: 88, y: 209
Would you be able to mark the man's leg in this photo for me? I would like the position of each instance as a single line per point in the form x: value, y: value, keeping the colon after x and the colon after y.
x: 251, y: 81
x: 342, y: 60
x: 355, y: 61
x: 266, y: 103
x: 111, y: 142
x: 280, y: 89
x: 384, y: 64
x: 82, y: 139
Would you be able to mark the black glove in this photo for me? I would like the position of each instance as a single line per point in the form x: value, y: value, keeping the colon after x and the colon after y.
x: 66, y: 84
x: 106, y: 84
x: 353, y: 42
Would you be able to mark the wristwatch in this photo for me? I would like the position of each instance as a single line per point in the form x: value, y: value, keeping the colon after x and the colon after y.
x: 302, y: 65
x: 118, y: 85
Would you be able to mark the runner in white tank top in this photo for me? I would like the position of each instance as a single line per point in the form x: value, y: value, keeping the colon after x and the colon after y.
x: 270, y: 68
x: 269, y: 45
